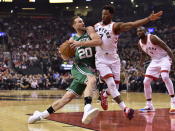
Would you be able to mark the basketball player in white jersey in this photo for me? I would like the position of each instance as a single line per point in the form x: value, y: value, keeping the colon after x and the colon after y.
x: 107, y: 59
x: 161, y: 60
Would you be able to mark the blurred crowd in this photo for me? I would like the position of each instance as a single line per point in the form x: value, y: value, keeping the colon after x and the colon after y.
x: 30, y: 60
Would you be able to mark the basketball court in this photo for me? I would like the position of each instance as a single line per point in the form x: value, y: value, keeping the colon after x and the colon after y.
x: 16, y: 106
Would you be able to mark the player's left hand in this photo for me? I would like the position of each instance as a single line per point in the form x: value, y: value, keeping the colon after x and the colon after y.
x: 75, y: 44
x: 154, y: 16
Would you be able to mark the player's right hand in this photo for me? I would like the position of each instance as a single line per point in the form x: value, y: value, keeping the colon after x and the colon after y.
x: 154, y: 16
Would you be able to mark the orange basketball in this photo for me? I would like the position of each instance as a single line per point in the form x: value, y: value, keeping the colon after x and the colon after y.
x: 66, y: 50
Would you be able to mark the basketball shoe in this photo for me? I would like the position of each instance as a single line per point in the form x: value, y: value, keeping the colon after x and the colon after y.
x: 35, y: 117
x: 172, y: 108
x: 129, y: 113
x: 104, y: 101
x: 147, y: 108
x: 89, y: 114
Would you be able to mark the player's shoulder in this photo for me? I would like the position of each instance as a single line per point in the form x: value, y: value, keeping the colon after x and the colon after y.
x: 153, y: 37
x: 98, y: 24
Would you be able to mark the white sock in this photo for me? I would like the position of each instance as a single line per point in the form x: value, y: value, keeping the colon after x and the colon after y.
x: 45, y: 114
x: 105, y: 94
x: 149, y: 103
x: 173, y: 100
x: 122, y: 105
x: 87, y: 107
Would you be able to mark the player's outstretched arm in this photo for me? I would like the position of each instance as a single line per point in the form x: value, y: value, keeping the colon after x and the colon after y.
x: 95, y: 39
x: 157, y: 41
x: 121, y: 27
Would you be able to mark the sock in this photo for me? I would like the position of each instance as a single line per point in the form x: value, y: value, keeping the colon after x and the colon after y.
x: 173, y: 99
x: 122, y: 105
x: 87, y: 100
x: 149, y: 102
x: 50, y: 110
x: 45, y: 114
x: 87, y: 107
x: 105, y: 94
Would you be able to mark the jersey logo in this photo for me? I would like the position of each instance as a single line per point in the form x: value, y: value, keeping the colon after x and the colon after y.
x: 102, y: 32
x: 150, y: 50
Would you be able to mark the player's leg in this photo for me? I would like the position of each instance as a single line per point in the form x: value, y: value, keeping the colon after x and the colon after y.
x: 101, y: 86
x: 105, y: 72
x: 86, y: 76
x: 170, y: 88
x: 116, y: 96
x: 148, y: 95
x: 58, y: 104
x: 152, y: 73
x: 89, y: 111
x: 165, y: 69
x: 75, y: 89
x: 116, y: 67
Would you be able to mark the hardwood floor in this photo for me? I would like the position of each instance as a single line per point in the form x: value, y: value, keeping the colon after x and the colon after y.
x: 15, y: 107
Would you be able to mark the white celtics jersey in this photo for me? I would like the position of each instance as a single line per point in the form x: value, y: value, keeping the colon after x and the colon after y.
x: 108, y: 37
x: 154, y: 51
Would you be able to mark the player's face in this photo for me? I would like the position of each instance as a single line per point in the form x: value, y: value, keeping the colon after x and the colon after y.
x: 106, y: 16
x: 79, y: 24
x: 140, y: 32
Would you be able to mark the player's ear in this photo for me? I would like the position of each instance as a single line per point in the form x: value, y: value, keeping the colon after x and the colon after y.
x: 73, y: 25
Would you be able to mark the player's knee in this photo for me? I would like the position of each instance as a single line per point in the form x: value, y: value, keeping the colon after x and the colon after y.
x: 147, y: 82
x: 92, y: 79
x: 165, y: 78
x: 110, y: 83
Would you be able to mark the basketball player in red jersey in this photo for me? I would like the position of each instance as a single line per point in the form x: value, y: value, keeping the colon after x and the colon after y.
x: 161, y: 60
x: 107, y: 59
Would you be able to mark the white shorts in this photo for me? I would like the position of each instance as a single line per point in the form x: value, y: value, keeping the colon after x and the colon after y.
x: 157, y: 66
x: 108, y: 65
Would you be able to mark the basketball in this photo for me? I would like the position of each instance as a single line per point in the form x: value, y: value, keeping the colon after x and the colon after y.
x: 66, y: 50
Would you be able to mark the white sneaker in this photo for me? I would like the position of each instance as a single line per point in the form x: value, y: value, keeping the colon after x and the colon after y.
x: 172, y: 108
x: 35, y: 117
x: 147, y: 109
x: 89, y: 114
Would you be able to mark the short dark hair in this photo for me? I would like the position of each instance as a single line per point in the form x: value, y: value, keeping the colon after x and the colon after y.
x: 110, y: 8
x: 72, y: 20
